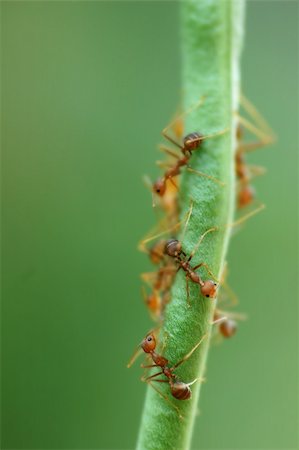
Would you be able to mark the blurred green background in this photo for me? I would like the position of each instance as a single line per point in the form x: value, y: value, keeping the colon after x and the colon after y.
x: 86, y: 89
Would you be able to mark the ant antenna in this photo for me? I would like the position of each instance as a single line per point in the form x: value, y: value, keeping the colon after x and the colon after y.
x: 188, y: 111
x: 202, y: 174
x: 190, y: 353
x: 217, y: 133
x: 196, y: 105
x: 139, y: 350
x: 135, y: 355
x: 200, y: 241
x: 163, y: 232
x: 253, y: 129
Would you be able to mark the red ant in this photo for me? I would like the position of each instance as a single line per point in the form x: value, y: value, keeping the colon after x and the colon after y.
x: 228, y: 327
x: 191, y: 142
x: 173, y: 248
x: 161, y: 284
x: 266, y: 136
x: 161, y: 280
x: 179, y: 389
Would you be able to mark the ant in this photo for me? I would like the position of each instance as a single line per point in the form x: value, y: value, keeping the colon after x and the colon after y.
x: 155, y: 252
x: 173, y: 248
x: 228, y: 327
x: 161, y: 284
x: 179, y: 389
x: 227, y: 322
x: 160, y: 280
x: 191, y: 142
x: 265, y: 136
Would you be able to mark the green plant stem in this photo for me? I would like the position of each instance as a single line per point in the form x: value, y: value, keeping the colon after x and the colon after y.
x: 211, y: 40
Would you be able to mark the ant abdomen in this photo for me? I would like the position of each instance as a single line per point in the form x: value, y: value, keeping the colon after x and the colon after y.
x: 180, y: 390
x: 228, y: 328
x: 173, y: 247
x: 246, y: 196
x: 192, y: 141
x: 153, y: 302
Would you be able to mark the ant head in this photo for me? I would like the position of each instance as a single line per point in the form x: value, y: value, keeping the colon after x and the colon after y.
x: 159, y: 187
x: 209, y: 289
x: 246, y: 196
x: 228, y: 328
x: 192, y: 141
x: 149, y: 343
x: 173, y: 247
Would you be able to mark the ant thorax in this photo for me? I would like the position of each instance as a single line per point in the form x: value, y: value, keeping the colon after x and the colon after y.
x: 159, y: 360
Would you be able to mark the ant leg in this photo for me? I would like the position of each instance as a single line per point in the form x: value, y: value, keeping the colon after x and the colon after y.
x: 173, y: 183
x: 166, y: 336
x: 232, y: 315
x: 248, y: 147
x: 188, y: 291
x: 148, y: 366
x: 170, y: 139
x: 149, y: 278
x: 265, y: 139
x: 164, y: 164
x: 219, y: 320
x: 207, y: 269
x: 141, y: 244
x: 200, y: 241
x: 256, y: 171
x: 173, y: 228
x: 169, y: 151
x: 202, y: 174
x: 165, y: 397
x: 216, y: 134
x: 255, y: 114
x: 164, y: 132
x: 151, y: 377
x: 245, y: 217
x: 230, y: 293
x: 189, y: 214
x: 202, y: 380
x: 189, y: 354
